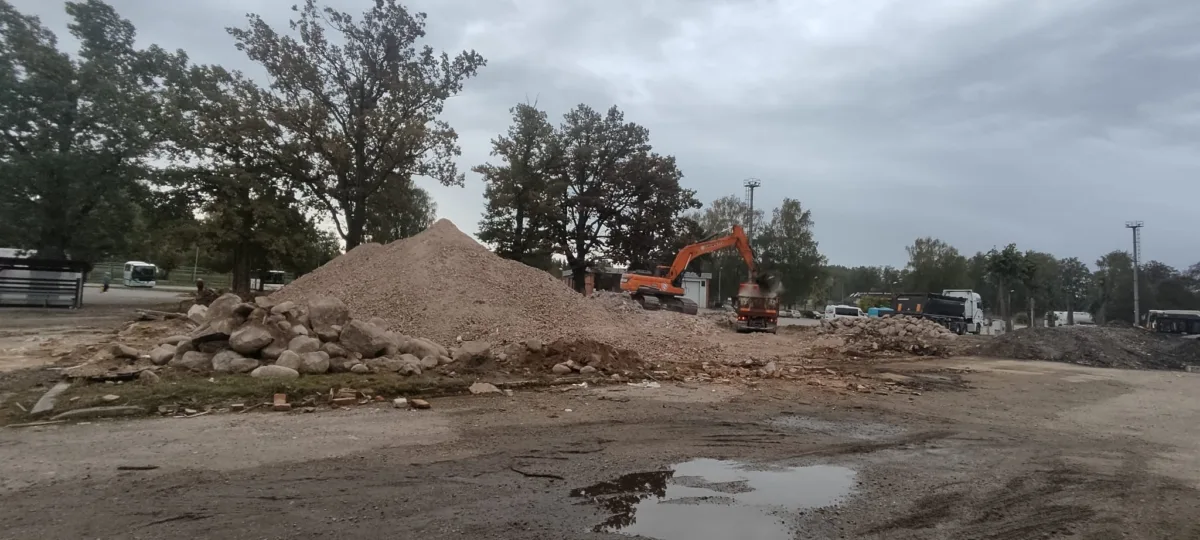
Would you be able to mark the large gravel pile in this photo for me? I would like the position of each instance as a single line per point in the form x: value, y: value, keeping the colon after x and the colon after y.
x: 1103, y: 346
x: 442, y: 284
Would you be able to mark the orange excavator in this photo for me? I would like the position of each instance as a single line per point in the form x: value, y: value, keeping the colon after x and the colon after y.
x: 663, y: 290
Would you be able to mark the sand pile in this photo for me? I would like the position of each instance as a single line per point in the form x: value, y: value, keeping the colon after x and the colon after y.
x: 441, y: 284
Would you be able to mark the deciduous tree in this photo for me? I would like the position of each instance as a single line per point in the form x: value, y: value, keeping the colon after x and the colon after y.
x: 789, y: 251
x: 1074, y: 281
x: 355, y: 105
x: 75, y: 131
x: 520, y: 207
x: 1006, y: 268
x: 934, y: 265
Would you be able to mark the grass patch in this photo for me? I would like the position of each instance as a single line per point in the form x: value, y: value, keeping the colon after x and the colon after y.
x: 221, y: 391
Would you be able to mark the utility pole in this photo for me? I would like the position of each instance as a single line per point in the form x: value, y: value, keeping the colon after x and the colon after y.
x: 1136, y: 226
x: 751, y: 184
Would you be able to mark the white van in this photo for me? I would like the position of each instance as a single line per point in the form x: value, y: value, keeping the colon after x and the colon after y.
x: 840, y: 312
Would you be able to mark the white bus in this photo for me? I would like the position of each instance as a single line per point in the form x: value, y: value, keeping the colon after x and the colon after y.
x: 140, y: 274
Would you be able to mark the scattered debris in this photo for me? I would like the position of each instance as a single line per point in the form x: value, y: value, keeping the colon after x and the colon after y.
x: 100, y: 412
x: 35, y: 424
x: 400, y: 403
x: 280, y: 403
x: 419, y: 404
x: 1101, y: 346
x: 136, y: 467
x: 110, y: 398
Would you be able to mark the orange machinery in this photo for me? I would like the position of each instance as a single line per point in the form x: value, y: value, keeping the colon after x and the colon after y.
x: 663, y: 290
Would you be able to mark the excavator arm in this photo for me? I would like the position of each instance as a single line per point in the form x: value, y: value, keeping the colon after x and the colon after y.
x: 736, y: 238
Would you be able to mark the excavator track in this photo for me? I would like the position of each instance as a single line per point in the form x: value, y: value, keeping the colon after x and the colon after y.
x: 680, y: 305
x: 649, y: 303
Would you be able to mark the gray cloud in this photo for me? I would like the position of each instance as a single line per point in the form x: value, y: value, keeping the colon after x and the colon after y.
x: 980, y: 122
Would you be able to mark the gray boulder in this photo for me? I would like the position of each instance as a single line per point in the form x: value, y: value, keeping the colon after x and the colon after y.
x: 364, y: 338
x: 360, y: 369
x: 299, y: 330
x: 386, y: 364
x: 304, y: 344
x: 272, y: 351
x: 275, y: 372
x: 120, y: 350
x: 473, y: 351
x: 162, y: 354
x: 250, y: 338
x: 283, y: 307
x: 289, y: 359
x: 314, y: 363
x: 264, y: 302
x: 232, y: 362
x: 176, y: 339
x: 429, y: 362
x: 223, y: 307
x: 334, y: 350
x: 326, y: 312
x: 197, y: 313
x: 561, y: 369
x: 193, y: 361
x: 422, y: 347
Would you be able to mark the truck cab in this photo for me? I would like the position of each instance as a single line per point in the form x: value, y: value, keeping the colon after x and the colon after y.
x: 972, y: 309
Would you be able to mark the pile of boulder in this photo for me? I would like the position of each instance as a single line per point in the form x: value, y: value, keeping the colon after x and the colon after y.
x: 885, y: 327
x: 865, y: 335
x: 286, y: 339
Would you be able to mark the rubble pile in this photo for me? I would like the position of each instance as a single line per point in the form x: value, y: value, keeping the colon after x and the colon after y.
x: 867, y: 335
x: 285, y: 339
x: 442, y: 284
x: 1125, y: 347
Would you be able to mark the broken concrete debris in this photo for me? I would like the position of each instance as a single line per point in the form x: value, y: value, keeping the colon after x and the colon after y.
x: 419, y: 404
x: 483, y: 388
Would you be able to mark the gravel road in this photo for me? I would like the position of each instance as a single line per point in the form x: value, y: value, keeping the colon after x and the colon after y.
x: 990, y: 449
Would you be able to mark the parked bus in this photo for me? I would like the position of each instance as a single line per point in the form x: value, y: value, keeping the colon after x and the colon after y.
x: 140, y: 274
x: 272, y: 280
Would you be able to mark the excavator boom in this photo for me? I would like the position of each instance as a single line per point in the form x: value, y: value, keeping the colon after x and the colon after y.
x: 655, y: 292
x: 736, y: 238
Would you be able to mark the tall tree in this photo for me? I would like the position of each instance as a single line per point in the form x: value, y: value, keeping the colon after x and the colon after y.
x: 644, y: 234
x: 1040, y: 280
x: 402, y: 209
x: 75, y: 132
x: 223, y: 157
x: 1006, y: 268
x: 1074, y: 281
x: 934, y: 265
x: 789, y: 251
x: 357, y: 110
x: 596, y: 187
x: 519, y: 204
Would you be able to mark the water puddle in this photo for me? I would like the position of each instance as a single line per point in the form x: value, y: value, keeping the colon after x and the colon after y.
x: 713, y: 499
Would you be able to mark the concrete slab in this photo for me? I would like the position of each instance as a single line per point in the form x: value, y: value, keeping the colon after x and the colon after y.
x: 45, y: 404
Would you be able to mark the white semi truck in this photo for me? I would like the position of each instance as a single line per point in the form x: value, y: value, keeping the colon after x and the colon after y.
x: 959, y: 310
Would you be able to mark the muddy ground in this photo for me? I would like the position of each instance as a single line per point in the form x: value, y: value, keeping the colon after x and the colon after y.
x: 981, y: 448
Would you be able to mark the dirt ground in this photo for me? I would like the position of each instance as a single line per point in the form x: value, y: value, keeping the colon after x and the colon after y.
x: 976, y: 448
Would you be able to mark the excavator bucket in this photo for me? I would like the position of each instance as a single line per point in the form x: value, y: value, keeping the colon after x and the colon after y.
x: 767, y: 282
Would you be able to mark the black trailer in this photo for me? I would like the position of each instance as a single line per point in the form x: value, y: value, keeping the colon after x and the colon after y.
x: 948, y: 311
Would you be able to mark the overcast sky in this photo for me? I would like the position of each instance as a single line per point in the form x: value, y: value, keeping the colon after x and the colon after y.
x: 980, y: 122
